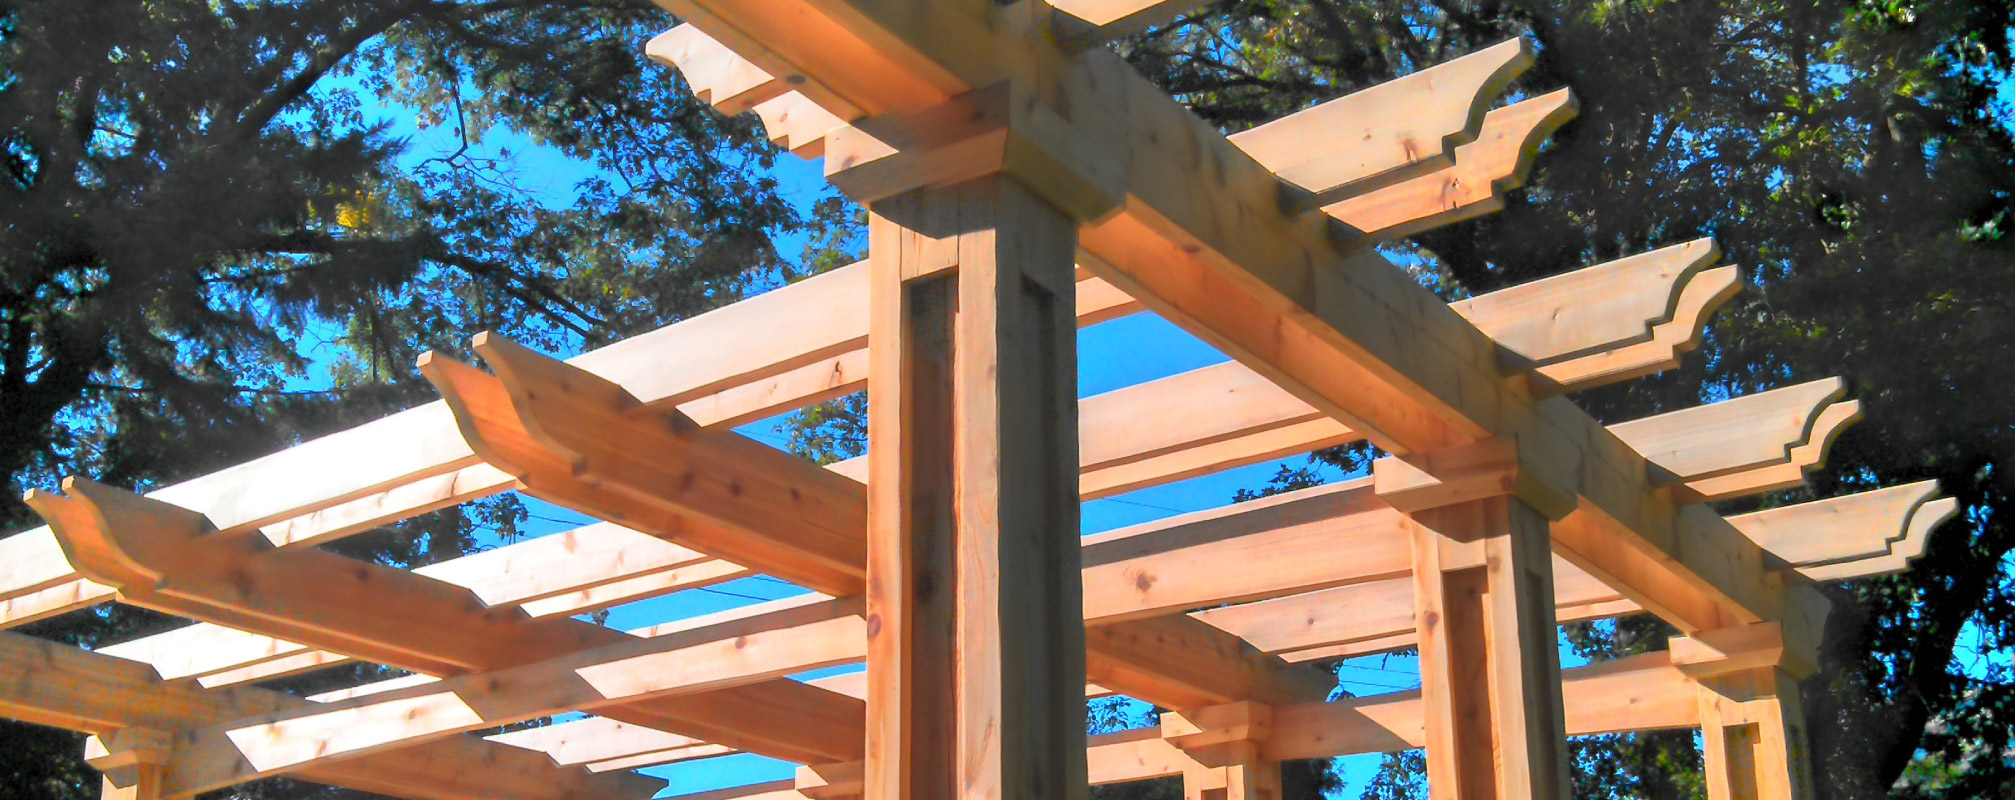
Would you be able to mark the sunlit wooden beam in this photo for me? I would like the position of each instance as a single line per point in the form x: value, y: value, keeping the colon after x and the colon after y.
x: 63, y: 686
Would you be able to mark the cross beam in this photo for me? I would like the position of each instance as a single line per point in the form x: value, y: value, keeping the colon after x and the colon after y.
x: 59, y: 685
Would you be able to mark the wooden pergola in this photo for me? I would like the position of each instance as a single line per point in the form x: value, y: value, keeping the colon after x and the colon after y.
x: 1023, y: 181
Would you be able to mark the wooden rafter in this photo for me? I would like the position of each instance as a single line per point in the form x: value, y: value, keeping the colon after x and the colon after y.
x: 1850, y: 536
x: 1374, y: 616
x: 1637, y: 693
x: 1872, y: 513
x: 642, y: 493
x: 795, y: 363
x: 59, y: 685
x: 393, y: 617
x: 735, y: 652
x: 625, y: 560
x: 1497, y: 161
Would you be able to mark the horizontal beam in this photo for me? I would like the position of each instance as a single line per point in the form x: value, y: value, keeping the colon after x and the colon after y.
x: 163, y: 557
x: 793, y: 364
x: 572, y: 439
x: 735, y: 652
x: 1402, y: 130
x: 60, y: 685
x: 1639, y: 693
x: 1391, y: 133
x: 1301, y: 541
x: 1635, y: 693
x: 1112, y: 19
x: 1853, y: 536
x: 1496, y: 162
x: 1220, y: 403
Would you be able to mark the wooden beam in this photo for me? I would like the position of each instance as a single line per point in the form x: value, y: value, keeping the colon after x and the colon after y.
x: 736, y: 652
x: 1592, y: 326
x: 1917, y: 533
x: 1643, y: 692
x: 1732, y: 435
x: 1281, y: 539
x: 810, y: 362
x: 563, y: 441
x: 50, y: 683
x: 717, y: 76
x: 1844, y: 537
x: 1294, y: 542
x: 162, y: 557
x: 40, y: 604
x: 1497, y: 162
x: 816, y: 537
x: 1806, y: 457
x: 1192, y: 664
x: 1391, y: 133
x: 1112, y: 19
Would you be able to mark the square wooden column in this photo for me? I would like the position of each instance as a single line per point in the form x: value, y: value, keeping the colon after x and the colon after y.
x: 975, y: 622
x: 1752, y: 723
x: 1753, y: 728
x: 1484, y: 614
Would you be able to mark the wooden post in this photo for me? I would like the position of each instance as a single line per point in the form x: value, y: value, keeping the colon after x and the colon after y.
x: 1751, y: 721
x: 1226, y: 743
x: 1753, y: 727
x: 976, y: 634
x: 132, y: 760
x: 1484, y: 615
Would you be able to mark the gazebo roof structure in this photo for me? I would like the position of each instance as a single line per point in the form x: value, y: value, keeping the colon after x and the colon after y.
x: 1023, y: 181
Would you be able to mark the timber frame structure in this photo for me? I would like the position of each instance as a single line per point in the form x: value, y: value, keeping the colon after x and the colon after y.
x: 1022, y: 182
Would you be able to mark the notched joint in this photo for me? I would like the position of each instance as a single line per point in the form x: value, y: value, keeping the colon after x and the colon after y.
x: 1478, y: 470
x: 994, y: 130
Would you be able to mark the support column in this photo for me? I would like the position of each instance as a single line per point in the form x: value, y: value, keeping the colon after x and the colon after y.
x: 1227, y: 742
x: 1752, y: 722
x: 132, y: 760
x: 975, y: 622
x: 1484, y: 614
